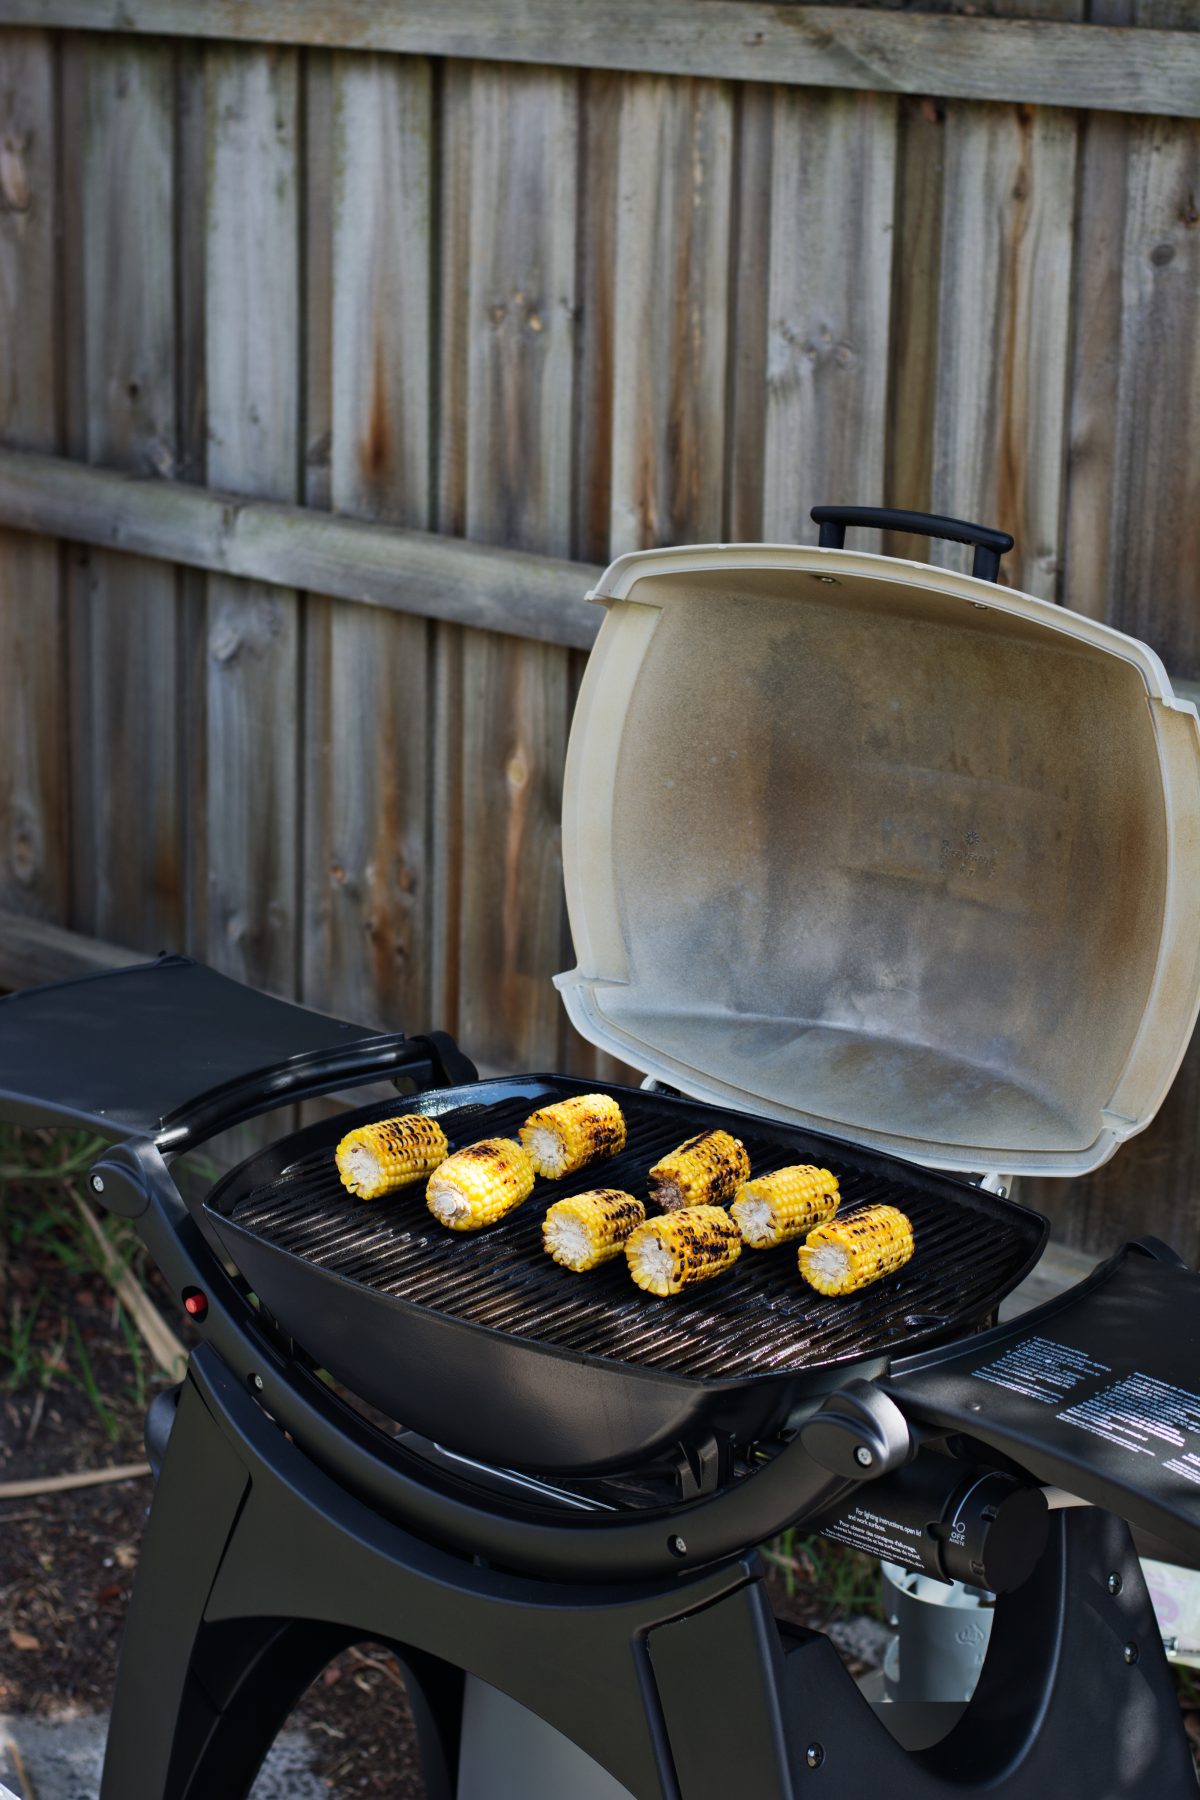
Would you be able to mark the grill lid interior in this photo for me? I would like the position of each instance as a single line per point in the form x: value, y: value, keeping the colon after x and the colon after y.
x: 877, y: 848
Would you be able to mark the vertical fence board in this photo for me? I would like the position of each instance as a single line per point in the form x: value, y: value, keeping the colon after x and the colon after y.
x: 599, y: 138
x: 750, y: 283
x: 1156, y: 519
x: 128, y: 887
x: 33, y: 773
x: 916, y: 265
x: 1005, y: 292
x: 252, y: 337
x: 832, y: 211
x: 509, y: 323
x: 191, y: 463
x: 672, y: 299
x: 367, y: 720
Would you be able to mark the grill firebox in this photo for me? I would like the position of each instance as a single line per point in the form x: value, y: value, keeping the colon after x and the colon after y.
x: 322, y: 1262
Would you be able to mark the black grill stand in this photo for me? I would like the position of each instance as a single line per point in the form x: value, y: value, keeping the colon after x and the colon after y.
x: 258, y: 1568
x: 284, y: 1528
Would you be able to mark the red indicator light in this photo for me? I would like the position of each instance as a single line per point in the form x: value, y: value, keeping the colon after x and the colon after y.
x: 195, y: 1303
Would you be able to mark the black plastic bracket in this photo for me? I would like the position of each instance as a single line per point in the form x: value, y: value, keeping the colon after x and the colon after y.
x: 858, y: 1433
x: 990, y: 544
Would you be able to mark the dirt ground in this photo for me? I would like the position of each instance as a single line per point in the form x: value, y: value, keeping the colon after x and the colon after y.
x: 74, y: 1385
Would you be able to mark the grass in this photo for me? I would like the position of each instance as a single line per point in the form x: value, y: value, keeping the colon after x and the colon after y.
x: 837, y: 1581
x: 41, y: 1176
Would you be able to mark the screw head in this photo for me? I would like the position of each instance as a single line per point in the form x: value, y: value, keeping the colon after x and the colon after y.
x: 676, y: 1545
x: 814, y: 1756
x: 863, y: 1457
x: 97, y: 1184
x: 1114, y: 1584
x: 256, y: 1381
x: 1130, y: 1653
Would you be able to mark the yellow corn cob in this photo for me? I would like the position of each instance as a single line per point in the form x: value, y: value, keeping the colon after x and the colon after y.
x: 587, y: 1229
x: 572, y: 1133
x: 852, y: 1252
x: 478, y: 1185
x: 693, y: 1244
x: 772, y: 1209
x: 380, y: 1159
x: 705, y: 1170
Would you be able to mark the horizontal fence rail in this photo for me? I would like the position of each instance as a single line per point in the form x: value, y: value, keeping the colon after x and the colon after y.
x: 509, y: 591
x: 1037, y: 62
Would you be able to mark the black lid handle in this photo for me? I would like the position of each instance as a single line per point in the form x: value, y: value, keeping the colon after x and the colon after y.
x: 990, y: 545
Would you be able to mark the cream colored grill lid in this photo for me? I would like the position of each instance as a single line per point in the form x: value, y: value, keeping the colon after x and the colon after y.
x: 883, y: 850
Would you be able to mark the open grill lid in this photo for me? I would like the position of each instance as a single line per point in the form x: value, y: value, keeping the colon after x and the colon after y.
x: 877, y: 848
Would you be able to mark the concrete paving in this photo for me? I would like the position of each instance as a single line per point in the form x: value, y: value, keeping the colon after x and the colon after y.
x: 61, y: 1759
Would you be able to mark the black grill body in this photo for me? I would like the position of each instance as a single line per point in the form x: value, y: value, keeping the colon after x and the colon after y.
x: 481, y: 1342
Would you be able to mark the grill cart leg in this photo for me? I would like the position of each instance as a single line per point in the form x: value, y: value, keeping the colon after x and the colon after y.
x: 198, y: 1704
x: 257, y: 1567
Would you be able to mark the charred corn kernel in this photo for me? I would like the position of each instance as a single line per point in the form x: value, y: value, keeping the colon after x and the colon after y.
x: 373, y: 1160
x: 668, y: 1254
x: 478, y: 1185
x: 773, y: 1209
x: 852, y: 1252
x: 572, y: 1133
x: 705, y: 1170
x: 587, y: 1229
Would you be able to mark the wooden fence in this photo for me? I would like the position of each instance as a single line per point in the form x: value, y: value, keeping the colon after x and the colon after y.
x: 338, y: 344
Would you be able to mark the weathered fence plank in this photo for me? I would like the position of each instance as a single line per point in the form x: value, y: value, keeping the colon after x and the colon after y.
x: 33, y: 768
x: 1000, y: 420
x: 252, y: 318
x: 746, y: 430
x: 366, y: 886
x: 1040, y: 63
x: 34, y: 952
x: 490, y: 588
x: 671, y: 327
x: 516, y: 178
x: 914, y: 324
x: 122, y: 405
x: 829, y: 301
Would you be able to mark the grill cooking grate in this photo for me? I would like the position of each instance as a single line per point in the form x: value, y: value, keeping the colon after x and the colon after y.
x: 758, y: 1319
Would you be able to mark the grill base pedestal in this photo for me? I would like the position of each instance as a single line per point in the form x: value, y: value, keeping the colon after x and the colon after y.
x: 258, y: 1567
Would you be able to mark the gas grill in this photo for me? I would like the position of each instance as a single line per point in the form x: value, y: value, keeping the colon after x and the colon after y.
x: 879, y: 867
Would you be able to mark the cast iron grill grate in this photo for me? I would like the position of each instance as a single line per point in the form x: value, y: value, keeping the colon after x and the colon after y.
x: 759, y: 1319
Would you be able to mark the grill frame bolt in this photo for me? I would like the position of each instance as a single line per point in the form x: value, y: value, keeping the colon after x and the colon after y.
x: 863, y: 1457
x: 97, y: 1184
x: 814, y: 1756
x: 676, y: 1545
x: 1114, y: 1584
x: 1130, y: 1653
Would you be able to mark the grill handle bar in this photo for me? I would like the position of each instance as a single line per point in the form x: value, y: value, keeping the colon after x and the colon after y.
x: 990, y: 544
x: 431, y: 1060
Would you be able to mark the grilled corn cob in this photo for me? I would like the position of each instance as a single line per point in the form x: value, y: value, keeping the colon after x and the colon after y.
x: 852, y: 1252
x: 705, y: 1170
x: 668, y: 1254
x: 478, y: 1185
x: 572, y: 1133
x: 588, y: 1229
x: 772, y: 1209
x: 373, y: 1160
